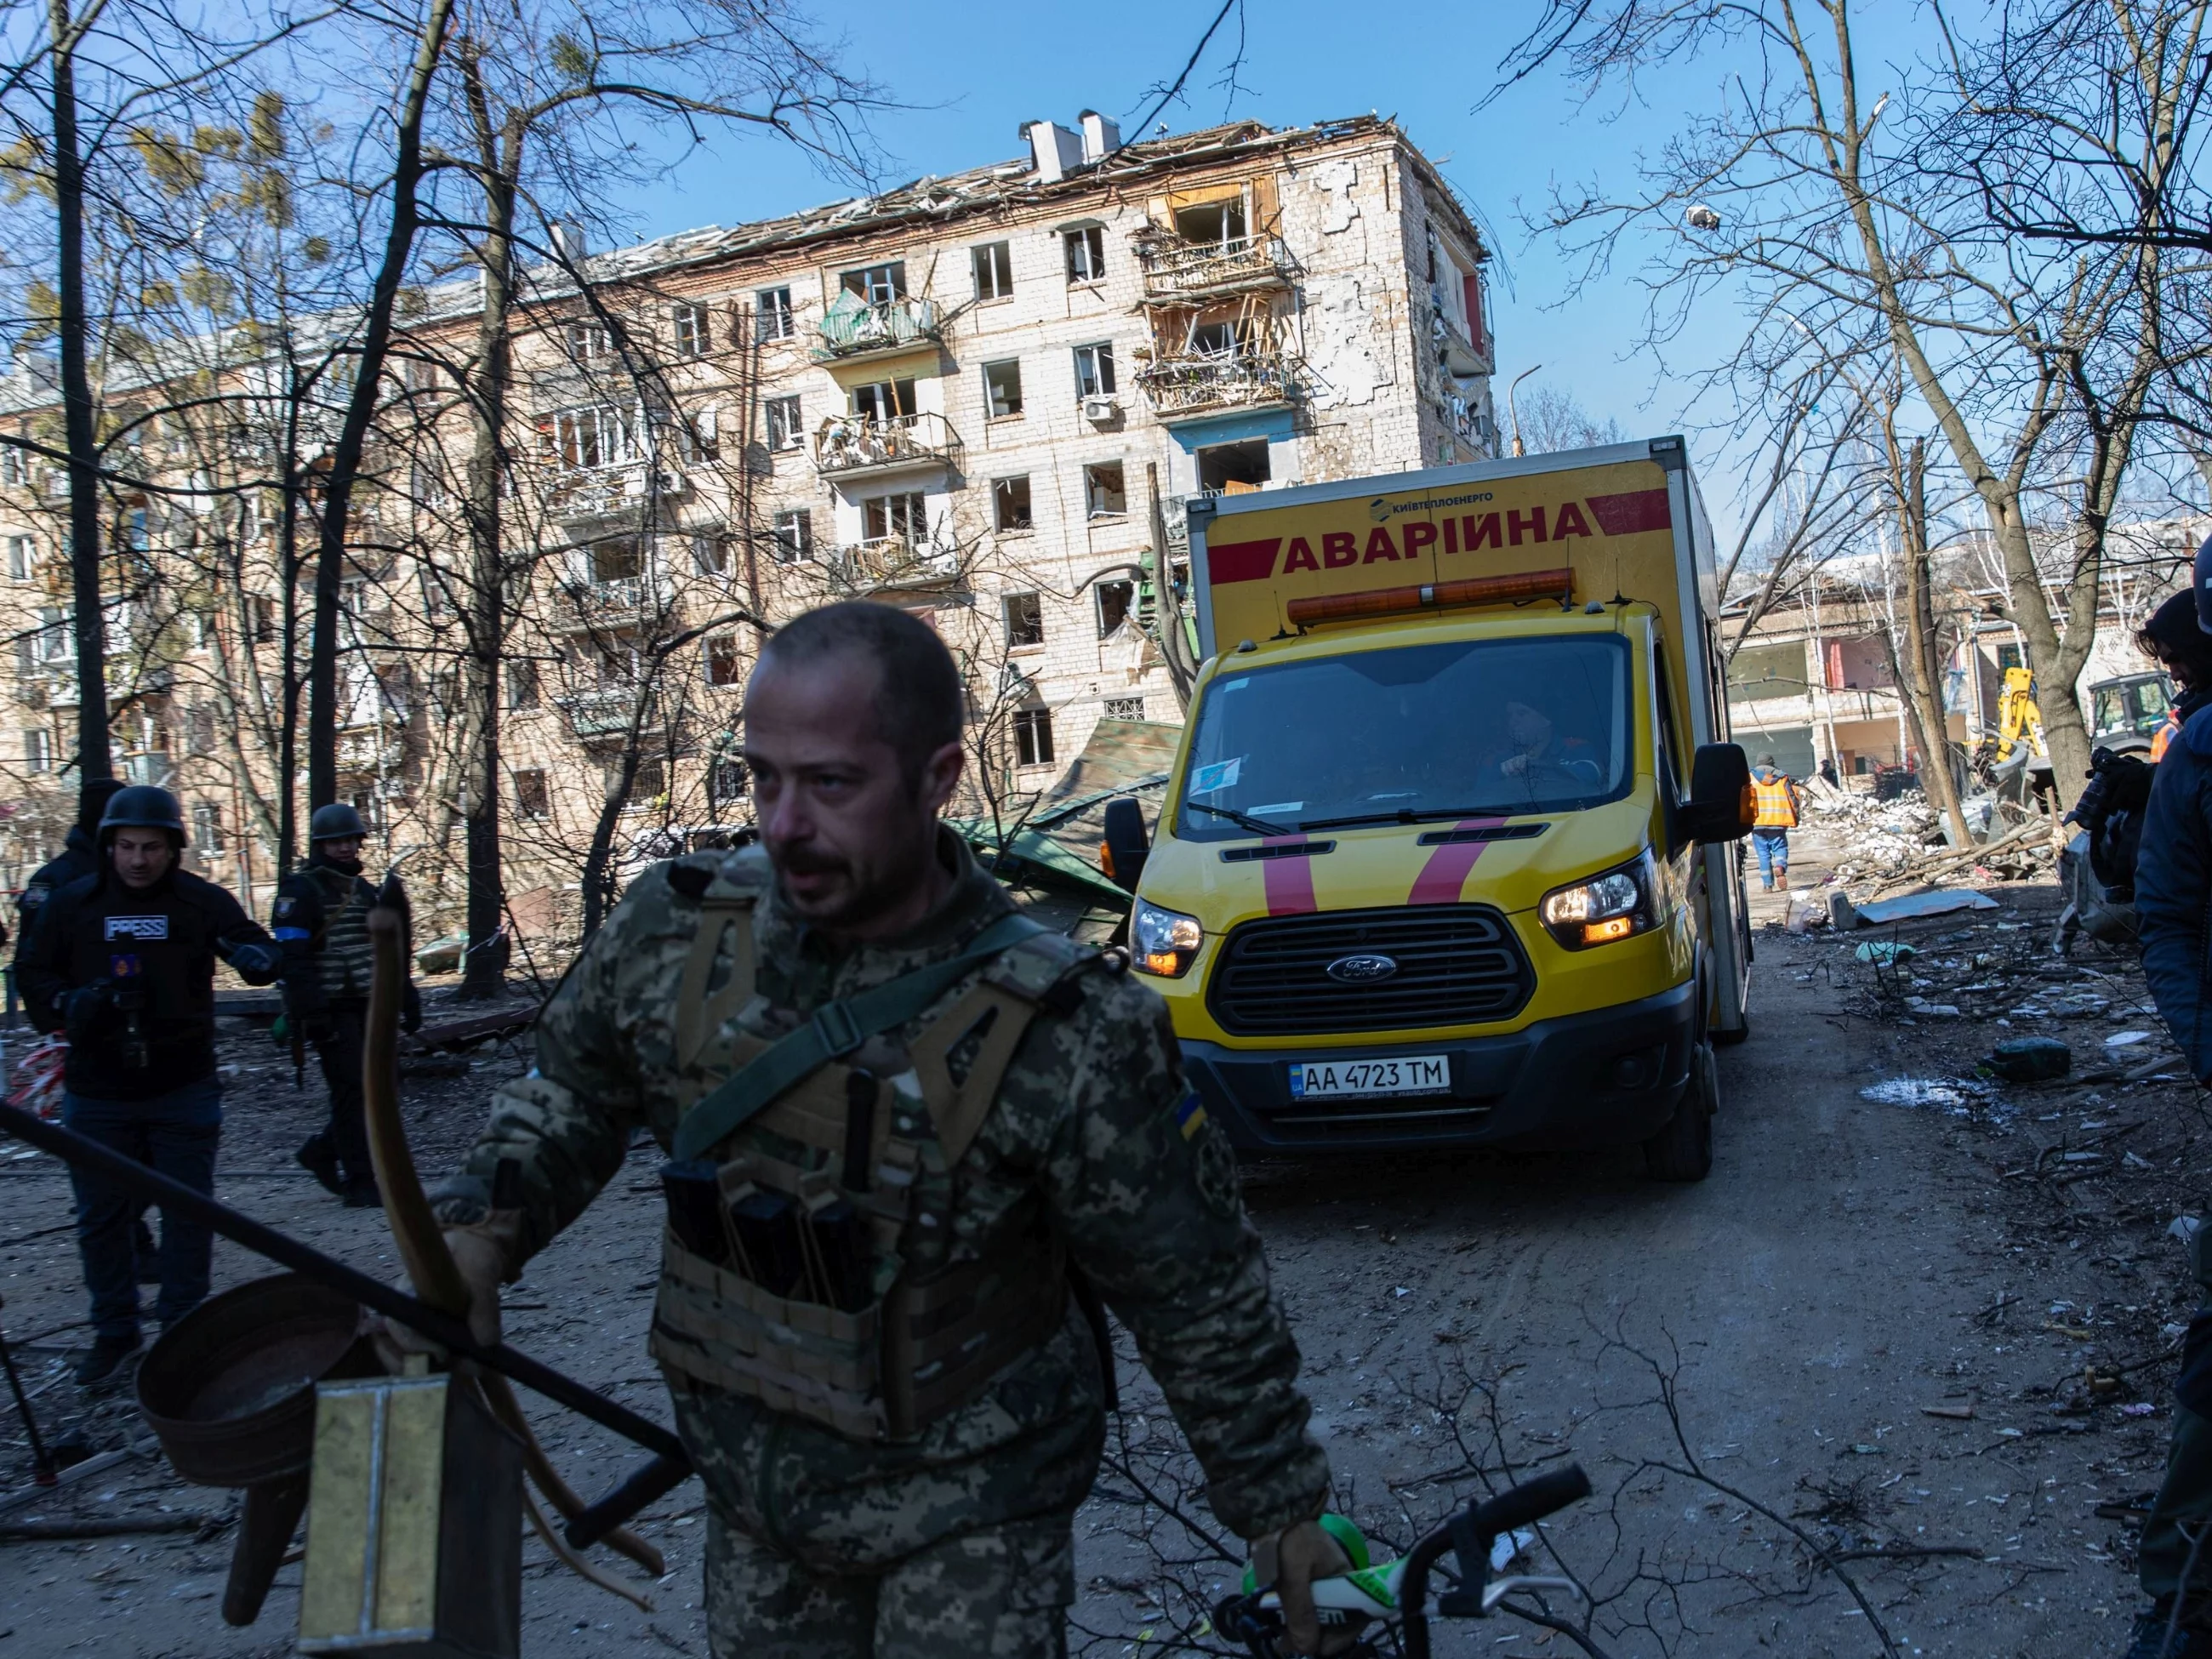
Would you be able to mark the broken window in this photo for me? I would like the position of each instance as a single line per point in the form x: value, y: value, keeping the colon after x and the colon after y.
x: 532, y: 799
x: 207, y: 827
x: 647, y: 785
x: 1221, y: 339
x: 691, y: 332
x: 1094, y: 370
x: 1010, y: 504
x: 995, y: 270
x: 617, y: 559
x: 905, y: 516
x: 724, y: 666
x: 522, y: 682
x: 794, y: 536
x: 1024, y: 620
x: 1002, y: 388
x: 1231, y: 468
x: 883, y: 400
x: 1218, y: 224
x: 877, y: 284
x: 1033, y: 737
x: 726, y: 782
x: 1105, y: 495
x: 1087, y: 253
x: 588, y: 343
x: 710, y: 553
x: 772, y: 314
x: 1115, y: 600
x: 601, y: 436
x: 782, y: 422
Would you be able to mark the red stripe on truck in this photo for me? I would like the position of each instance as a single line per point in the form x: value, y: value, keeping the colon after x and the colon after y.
x: 1638, y: 510
x: 1242, y: 561
x: 1289, y: 882
x: 1444, y: 875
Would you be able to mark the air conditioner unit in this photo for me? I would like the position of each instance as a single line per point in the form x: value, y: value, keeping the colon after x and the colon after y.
x: 1102, y: 409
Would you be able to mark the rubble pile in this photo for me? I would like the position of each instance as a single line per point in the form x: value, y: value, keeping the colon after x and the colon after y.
x: 1883, y: 838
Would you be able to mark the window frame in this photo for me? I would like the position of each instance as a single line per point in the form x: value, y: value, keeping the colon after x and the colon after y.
x: 605, y: 430
x: 1035, y: 602
x: 1003, y: 493
x: 991, y: 410
x: 1128, y: 590
x: 1000, y: 256
x: 794, y: 436
x: 774, y: 303
x: 1033, y: 736
x: 1092, y: 241
x: 534, y: 798
x: 1091, y: 510
x: 860, y: 282
x: 1090, y: 358
x: 723, y: 658
x: 789, y: 550
x: 916, y: 505
x: 691, y: 326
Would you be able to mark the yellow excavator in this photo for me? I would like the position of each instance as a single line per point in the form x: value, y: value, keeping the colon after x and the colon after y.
x: 2012, y: 759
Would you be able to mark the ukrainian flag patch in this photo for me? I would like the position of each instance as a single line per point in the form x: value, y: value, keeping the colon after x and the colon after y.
x: 1190, y: 1116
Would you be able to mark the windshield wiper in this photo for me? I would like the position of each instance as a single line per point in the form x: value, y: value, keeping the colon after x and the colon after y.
x: 1405, y: 815
x: 1242, y: 820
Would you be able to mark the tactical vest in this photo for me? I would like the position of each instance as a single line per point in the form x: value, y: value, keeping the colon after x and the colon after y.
x: 934, y: 1333
x: 343, y: 957
x: 1777, y: 809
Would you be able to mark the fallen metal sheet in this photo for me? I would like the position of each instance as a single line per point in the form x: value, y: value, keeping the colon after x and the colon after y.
x: 1939, y: 903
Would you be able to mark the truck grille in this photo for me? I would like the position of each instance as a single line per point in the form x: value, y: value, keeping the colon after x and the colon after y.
x: 1457, y: 964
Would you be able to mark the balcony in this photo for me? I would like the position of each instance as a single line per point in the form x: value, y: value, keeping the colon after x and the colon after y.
x: 607, y: 492
x: 606, y: 712
x: 616, y: 601
x: 1178, y: 272
x: 1184, y: 387
x: 151, y: 766
x: 893, y: 562
x: 850, y: 446
x: 854, y: 330
x: 370, y: 749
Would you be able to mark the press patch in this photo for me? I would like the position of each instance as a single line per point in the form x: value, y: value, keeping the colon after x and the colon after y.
x: 139, y: 927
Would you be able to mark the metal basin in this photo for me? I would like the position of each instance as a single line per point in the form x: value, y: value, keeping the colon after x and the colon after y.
x: 230, y: 1388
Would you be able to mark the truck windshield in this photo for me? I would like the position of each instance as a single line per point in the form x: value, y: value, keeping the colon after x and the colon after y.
x: 1462, y: 728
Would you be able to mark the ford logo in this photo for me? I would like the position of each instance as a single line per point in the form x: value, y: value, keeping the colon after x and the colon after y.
x: 1361, y: 970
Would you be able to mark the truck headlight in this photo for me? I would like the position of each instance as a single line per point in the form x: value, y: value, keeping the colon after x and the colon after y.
x: 1615, y: 905
x: 1166, y: 941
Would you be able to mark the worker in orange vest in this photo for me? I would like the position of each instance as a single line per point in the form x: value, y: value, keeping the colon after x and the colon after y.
x: 1775, y: 794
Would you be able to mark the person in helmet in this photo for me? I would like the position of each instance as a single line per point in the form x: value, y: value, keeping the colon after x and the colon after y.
x: 123, y: 960
x: 2173, y: 889
x: 321, y: 922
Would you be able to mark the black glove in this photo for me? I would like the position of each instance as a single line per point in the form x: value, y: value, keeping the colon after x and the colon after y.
x: 86, y: 1008
x: 411, y: 1010
x: 253, y: 961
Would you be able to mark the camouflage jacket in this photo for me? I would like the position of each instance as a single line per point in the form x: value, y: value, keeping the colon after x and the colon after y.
x: 1093, y: 1119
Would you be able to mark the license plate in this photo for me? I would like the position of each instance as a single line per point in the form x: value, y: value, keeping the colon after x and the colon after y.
x: 1413, y: 1074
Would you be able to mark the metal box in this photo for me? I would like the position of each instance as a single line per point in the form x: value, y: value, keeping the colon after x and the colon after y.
x: 414, y: 1524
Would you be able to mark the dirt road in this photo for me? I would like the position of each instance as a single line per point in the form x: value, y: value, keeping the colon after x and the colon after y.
x: 1865, y: 1323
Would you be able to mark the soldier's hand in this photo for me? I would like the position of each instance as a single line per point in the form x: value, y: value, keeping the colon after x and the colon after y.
x: 1290, y: 1561
x: 482, y: 1265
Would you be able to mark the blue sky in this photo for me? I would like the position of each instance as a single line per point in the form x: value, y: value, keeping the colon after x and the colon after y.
x: 975, y: 72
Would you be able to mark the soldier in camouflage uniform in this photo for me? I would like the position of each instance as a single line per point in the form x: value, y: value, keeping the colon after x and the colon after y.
x: 952, y: 1535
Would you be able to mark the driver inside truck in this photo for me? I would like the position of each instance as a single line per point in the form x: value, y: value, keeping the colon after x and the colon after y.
x: 1535, y: 751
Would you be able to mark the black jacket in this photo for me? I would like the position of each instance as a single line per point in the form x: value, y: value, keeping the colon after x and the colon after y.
x: 79, y: 857
x: 156, y: 951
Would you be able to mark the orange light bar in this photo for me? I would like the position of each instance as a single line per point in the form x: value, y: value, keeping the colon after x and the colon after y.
x: 1471, y: 590
x: 1602, y: 932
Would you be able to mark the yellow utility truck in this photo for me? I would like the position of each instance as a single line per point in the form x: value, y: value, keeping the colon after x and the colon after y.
x: 1444, y: 859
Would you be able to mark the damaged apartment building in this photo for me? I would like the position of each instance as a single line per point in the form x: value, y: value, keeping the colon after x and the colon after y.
x: 986, y: 397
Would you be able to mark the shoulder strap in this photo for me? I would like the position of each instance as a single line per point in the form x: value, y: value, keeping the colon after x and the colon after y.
x: 835, y: 1031
x: 721, y: 914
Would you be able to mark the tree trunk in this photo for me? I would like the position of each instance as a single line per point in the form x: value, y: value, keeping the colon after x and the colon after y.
x: 1924, y: 657
x: 82, y: 436
x: 353, y: 434
x: 484, y: 971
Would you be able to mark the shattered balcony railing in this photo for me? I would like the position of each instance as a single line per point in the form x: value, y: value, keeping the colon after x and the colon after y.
x: 619, y: 489
x: 1199, y: 385
x: 857, y: 328
x: 896, y: 562
x: 846, y: 445
x: 1176, y: 269
x: 607, y: 711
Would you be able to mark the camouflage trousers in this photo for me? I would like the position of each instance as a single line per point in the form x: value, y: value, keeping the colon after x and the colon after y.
x: 1001, y: 1592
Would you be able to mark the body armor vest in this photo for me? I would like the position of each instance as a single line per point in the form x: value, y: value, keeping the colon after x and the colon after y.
x: 342, y: 958
x: 878, y: 1131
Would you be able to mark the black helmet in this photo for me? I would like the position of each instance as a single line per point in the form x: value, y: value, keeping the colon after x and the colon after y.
x: 141, y: 806
x: 334, y: 822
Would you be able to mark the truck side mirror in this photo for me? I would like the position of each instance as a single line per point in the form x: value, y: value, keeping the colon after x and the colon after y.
x: 1721, y: 806
x: 1122, y: 855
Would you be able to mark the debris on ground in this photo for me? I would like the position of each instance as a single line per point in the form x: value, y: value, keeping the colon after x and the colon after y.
x: 1937, y: 902
x: 2030, y: 1060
